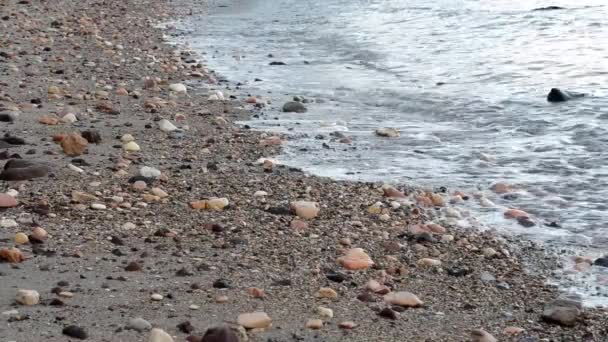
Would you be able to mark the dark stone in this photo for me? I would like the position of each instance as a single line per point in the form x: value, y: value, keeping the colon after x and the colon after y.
x: 525, y: 221
x: 147, y: 180
x: 92, y: 136
x: 277, y: 63
x: 186, y: 327
x: 6, y: 118
x: 388, y: 313
x: 220, y: 334
x: 13, y: 140
x: 20, y: 170
x: 56, y: 302
x: 184, y: 272
x: 603, y: 262
x: 336, y: 277
x: 221, y: 284
x: 117, y: 241
x: 279, y: 210
x: 366, y: 297
x: 557, y: 95
x: 457, y: 271
x: 75, y: 332
x: 549, y: 8
x: 294, y: 107
x: 282, y: 282
x: 564, y: 311
x: 133, y: 266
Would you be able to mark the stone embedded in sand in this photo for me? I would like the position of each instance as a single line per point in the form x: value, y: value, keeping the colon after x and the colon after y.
x: 83, y: 197
x: 98, y: 206
x: 69, y: 118
x: 294, y: 107
x: 305, y: 209
x: 92, y: 136
x: 298, y: 225
x: 74, y: 144
x: 403, y: 298
x: 133, y: 266
x: 314, y: 324
x: 501, y: 188
x: 131, y: 146
x: 53, y: 90
x: 489, y: 252
x: 7, y: 201
x: 325, y: 312
x: 139, y: 185
x: 220, y: 334
x: 387, y: 132
x: 513, y: 331
x: 392, y: 192
x: 139, y: 324
x: 149, y: 172
x: 122, y: 92
x: 126, y: 138
x: 516, y: 214
x: 156, y: 297
x: 21, y: 239
x: 256, y: 292
x: 27, y: 297
x: 428, y: 262
x: 159, y: 192
x: 12, y: 255
x: 355, y: 259
x: 271, y: 141
x: 221, y: 299
x: 75, y: 332
x: 166, y: 126
x: 178, y: 88
x: 217, y: 204
x: 8, y: 223
x: 566, y: 315
x: 39, y: 234
x: 480, y: 335
x: 254, y: 320
x: 376, y: 287
x: 435, y: 228
x: 48, y: 120
x: 347, y: 325
x: 326, y: 292
x: 437, y: 200
x: 158, y: 335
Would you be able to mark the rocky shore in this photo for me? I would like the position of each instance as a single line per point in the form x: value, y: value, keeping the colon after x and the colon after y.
x: 134, y: 209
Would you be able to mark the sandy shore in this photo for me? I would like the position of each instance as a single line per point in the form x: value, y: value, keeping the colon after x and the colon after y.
x: 166, y: 248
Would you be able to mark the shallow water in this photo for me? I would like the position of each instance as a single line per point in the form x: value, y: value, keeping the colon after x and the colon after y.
x: 464, y: 81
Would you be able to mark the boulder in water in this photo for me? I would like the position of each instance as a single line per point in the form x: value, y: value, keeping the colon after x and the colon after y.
x: 294, y: 107
x: 603, y: 262
x: 558, y: 95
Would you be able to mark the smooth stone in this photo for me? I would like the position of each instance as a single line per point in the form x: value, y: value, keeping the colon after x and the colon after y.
x: 27, y: 297
x: 69, y: 118
x: 127, y: 138
x: 355, y: 259
x: 388, y: 132
x: 149, y: 172
x: 326, y: 292
x: 8, y: 223
x: 39, y: 234
x: 98, y: 206
x: 294, y: 107
x: 513, y: 331
x: 166, y: 126
x: 159, y: 335
x: 314, y: 324
x: 131, y: 146
x: 603, y: 262
x: 220, y: 334
x: 305, y: 209
x: 75, y: 332
x: 562, y: 315
x: 254, y: 320
x: 7, y: 201
x: 178, y: 88
x: 156, y: 297
x: 487, y: 277
x: 21, y: 238
x: 325, y: 312
x: 558, y: 95
x: 392, y: 192
x: 480, y: 335
x: 428, y: 262
x: 20, y: 170
x: 403, y: 298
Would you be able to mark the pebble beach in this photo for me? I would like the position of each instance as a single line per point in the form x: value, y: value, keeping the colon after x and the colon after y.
x: 135, y: 208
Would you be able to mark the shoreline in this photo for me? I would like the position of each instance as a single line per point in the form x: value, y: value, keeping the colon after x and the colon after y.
x: 192, y: 257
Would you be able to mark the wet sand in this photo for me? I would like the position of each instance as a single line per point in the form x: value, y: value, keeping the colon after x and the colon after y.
x: 92, y: 58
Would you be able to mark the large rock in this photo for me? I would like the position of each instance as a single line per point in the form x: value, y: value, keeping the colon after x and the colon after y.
x: 403, y: 298
x: 294, y: 107
x: 27, y: 297
x: 601, y: 261
x: 305, y: 209
x: 74, y: 144
x: 7, y: 201
x: 20, y: 170
x: 254, y: 320
x: 158, y: 335
x: 355, y: 259
x: 558, y: 95
x: 565, y: 311
x: 220, y: 334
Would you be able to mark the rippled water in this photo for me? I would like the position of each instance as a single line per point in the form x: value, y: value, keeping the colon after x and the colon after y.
x: 463, y: 80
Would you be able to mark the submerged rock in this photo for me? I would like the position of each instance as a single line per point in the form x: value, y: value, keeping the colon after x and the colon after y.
x: 603, y: 262
x: 388, y: 132
x: 558, y: 95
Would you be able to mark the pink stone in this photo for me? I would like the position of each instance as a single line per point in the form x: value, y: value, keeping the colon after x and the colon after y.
x: 7, y: 201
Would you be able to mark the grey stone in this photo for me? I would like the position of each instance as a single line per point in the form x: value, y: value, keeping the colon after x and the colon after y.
x: 139, y: 324
x: 294, y: 107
